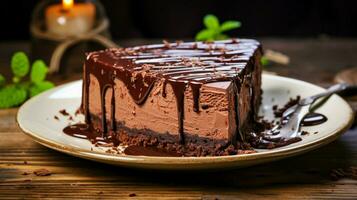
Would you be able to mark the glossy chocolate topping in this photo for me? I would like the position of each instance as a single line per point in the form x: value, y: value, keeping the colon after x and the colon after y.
x: 179, y: 64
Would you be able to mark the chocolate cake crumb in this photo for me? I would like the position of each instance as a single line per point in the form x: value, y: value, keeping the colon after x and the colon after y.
x: 195, y: 146
x: 64, y: 112
x: 104, y: 144
x: 42, y: 172
x: 132, y: 195
x: 316, y: 132
x: 111, y: 151
x: 304, y: 133
x: 266, y: 125
x: 78, y: 111
x: 278, y: 112
x: 55, y: 117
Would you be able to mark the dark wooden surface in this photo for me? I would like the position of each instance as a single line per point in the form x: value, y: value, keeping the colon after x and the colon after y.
x: 306, y: 176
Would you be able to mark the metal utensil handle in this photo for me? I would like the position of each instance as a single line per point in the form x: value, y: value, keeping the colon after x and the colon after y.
x: 331, y: 90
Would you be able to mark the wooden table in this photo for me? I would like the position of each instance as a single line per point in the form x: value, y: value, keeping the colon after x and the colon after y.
x: 312, y: 175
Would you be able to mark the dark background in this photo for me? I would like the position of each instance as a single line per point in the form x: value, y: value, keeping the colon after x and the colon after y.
x: 183, y: 18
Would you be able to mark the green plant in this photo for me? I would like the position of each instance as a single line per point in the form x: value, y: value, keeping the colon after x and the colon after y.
x: 17, y: 92
x: 264, y: 61
x: 214, y: 30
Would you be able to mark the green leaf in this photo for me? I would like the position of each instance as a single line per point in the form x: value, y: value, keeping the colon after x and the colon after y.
x: 221, y: 37
x: 211, y: 22
x: 16, y: 79
x: 11, y: 96
x: 229, y: 25
x: 2, y: 80
x: 37, y: 88
x: 20, y: 64
x: 264, y: 60
x: 38, y: 71
x: 205, y: 35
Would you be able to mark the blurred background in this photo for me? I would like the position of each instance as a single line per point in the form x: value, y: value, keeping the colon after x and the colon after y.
x: 317, y: 36
x: 183, y: 18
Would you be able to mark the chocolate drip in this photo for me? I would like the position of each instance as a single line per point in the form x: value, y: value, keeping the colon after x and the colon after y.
x: 139, y: 88
x: 164, y: 89
x: 233, y: 113
x: 85, y: 97
x: 180, y: 64
x: 196, y: 96
x: 179, y: 91
x: 112, y: 111
x: 138, y: 85
x: 103, y: 90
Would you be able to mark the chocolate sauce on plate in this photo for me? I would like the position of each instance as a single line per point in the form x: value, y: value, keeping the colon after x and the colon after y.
x: 311, y: 119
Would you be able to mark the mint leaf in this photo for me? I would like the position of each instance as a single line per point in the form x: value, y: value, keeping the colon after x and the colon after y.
x: 39, y: 87
x: 20, y: 64
x: 214, y: 30
x: 221, y: 37
x: 229, y: 25
x: 264, y: 61
x: 11, y: 96
x: 211, y: 22
x: 2, y: 80
x: 16, y: 79
x: 205, y: 35
x: 38, y: 71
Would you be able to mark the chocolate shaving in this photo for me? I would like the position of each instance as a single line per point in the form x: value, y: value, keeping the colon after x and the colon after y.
x: 278, y: 112
x: 64, y: 112
x: 304, y: 133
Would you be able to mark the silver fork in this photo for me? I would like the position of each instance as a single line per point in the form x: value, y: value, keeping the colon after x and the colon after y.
x: 296, y: 114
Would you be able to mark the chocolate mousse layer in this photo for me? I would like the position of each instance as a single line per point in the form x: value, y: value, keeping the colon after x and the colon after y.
x: 181, y: 93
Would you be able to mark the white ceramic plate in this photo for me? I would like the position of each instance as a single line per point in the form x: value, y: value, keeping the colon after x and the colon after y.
x: 36, y: 119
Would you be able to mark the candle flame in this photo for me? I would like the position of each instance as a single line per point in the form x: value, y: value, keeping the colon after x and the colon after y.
x: 67, y: 4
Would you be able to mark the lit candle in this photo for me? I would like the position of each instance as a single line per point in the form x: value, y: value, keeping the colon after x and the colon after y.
x: 70, y: 19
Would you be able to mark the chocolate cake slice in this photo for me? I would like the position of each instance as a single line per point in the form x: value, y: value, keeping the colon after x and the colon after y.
x: 176, y: 96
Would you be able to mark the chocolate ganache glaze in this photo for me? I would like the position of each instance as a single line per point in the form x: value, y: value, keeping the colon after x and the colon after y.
x: 220, y: 80
x: 179, y: 64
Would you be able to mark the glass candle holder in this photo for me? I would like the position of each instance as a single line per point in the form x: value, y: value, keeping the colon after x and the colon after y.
x: 61, y: 30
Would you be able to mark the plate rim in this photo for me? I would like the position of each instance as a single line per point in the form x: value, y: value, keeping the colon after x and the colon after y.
x: 197, y: 162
